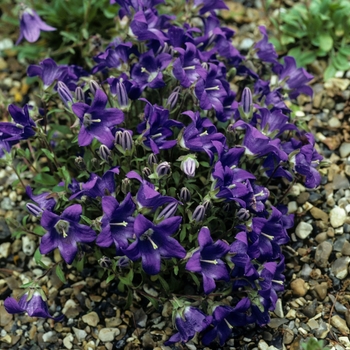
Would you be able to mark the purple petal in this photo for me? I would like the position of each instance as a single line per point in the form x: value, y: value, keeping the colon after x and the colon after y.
x: 141, y: 225
x: 204, y: 237
x: 49, y: 219
x: 72, y: 213
x: 12, y: 307
x: 79, y: 109
x: 109, y: 205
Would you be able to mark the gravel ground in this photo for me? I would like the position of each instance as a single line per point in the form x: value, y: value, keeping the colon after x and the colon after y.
x: 317, y: 295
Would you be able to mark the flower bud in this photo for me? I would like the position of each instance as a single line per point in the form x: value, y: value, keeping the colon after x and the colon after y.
x: 64, y: 93
x: 163, y: 169
x: 198, y: 214
x: 168, y: 211
x: 146, y: 172
x: 105, y: 262
x: 80, y: 163
x: 94, y: 86
x: 152, y: 159
x: 172, y: 99
x: 123, y: 262
x: 126, y: 141
x: 189, y: 165
x: 118, y: 137
x: 247, y: 100
x: 185, y: 195
x: 206, y: 204
x: 122, y: 95
x: 126, y: 185
x: 34, y: 209
x: 226, y: 207
x: 79, y: 94
x: 243, y: 214
x: 104, y: 152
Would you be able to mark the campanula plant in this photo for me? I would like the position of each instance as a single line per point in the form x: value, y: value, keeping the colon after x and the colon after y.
x: 157, y: 166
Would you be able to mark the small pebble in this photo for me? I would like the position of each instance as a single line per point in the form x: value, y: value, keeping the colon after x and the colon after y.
x: 340, y: 267
x: 323, y: 251
x: 340, y: 324
x: 91, y: 319
x: 337, y: 216
x: 299, y: 287
x: 108, y: 334
x: 344, y: 149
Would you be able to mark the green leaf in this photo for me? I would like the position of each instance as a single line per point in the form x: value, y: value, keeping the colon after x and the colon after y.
x: 340, y: 62
x: 344, y: 50
x: 287, y: 39
x: 45, y: 179
x: 127, y: 280
x: 110, y: 278
x: 39, y: 230
x: 153, y: 301
x: 329, y: 72
x: 164, y: 283
x: 326, y: 42
x: 60, y: 274
x: 37, y: 259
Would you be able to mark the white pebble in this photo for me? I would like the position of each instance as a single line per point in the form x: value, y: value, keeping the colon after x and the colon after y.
x: 337, y: 216
x: 303, y: 230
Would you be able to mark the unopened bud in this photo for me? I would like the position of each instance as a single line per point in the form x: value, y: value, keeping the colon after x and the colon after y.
x: 126, y: 185
x: 163, y: 169
x: 34, y: 209
x: 206, y: 204
x: 168, y: 211
x: 79, y: 94
x: 146, y: 172
x: 104, y: 152
x: 172, y: 99
x: 247, y: 100
x: 118, y: 137
x: 94, y: 86
x: 198, y: 214
x: 123, y: 262
x: 64, y: 93
x: 126, y: 141
x: 185, y: 195
x: 105, y: 262
x: 152, y: 159
x: 189, y: 164
x: 122, y: 95
x: 80, y: 163
x: 243, y: 214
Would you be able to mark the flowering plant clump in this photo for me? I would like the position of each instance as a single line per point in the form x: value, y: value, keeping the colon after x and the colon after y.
x: 167, y: 162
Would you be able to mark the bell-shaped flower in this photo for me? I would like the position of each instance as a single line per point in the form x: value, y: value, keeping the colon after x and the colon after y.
x: 207, y: 260
x: 188, y: 321
x: 153, y: 242
x: 96, y: 121
x: 32, y: 303
x: 64, y: 232
x: 117, y: 223
x: 31, y: 25
x: 265, y: 50
x: 44, y: 201
x: 22, y: 127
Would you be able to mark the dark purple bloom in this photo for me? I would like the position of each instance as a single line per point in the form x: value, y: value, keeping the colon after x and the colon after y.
x: 32, y: 303
x: 147, y: 197
x: 31, y: 25
x: 207, y: 260
x: 44, y: 203
x: 148, y: 70
x: 265, y: 50
x: 136, y: 5
x: 210, y: 5
x: 5, y: 146
x: 187, y: 67
x: 64, y: 93
x: 96, y: 120
x: 117, y: 223
x: 188, y: 321
x: 21, y: 129
x: 156, y: 128
x: 96, y: 186
x: 64, y: 232
x: 224, y: 319
x: 153, y: 242
x: 198, y: 136
x: 296, y: 78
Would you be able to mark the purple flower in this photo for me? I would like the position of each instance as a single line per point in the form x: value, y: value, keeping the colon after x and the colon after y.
x: 64, y: 232
x: 97, y: 186
x: 96, y: 120
x: 296, y: 78
x: 147, y: 197
x: 224, y: 319
x: 207, y: 260
x: 137, y: 5
x: 210, y: 5
x: 21, y: 129
x: 265, y: 50
x: 148, y: 70
x: 153, y: 242
x: 187, y: 67
x: 188, y: 321
x: 44, y: 203
x: 30, y: 26
x: 32, y: 303
x: 156, y: 128
x: 117, y: 223
x: 189, y: 164
x: 5, y: 146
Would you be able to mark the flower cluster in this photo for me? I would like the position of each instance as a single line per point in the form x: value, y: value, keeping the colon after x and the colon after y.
x: 172, y: 165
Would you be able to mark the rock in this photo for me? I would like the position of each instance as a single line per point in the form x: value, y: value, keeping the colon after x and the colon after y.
x: 299, y: 287
x: 147, y: 341
x: 319, y: 214
x: 50, y: 337
x: 323, y: 251
x: 322, y: 331
x: 288, y: 335
x: 246, y: 44
x: 340, y: 181
x: 5, y: 250
x: 276, y: 322
x: 310, y: 310
x: 292, y: 207
x: 340, y: 267
x: 346, y: 248
x: 80, y: 334
x: 313, y: 324
x: 91, y: 319
x: 303, y: 197
x: 71, y: 309
x: 279, y: 309
x: 67, y: 341
x: 28, y: 246
x: 262, y: 345
x: 344, y: 149
x: 334, y: 122
x: 303, y: 230
x: 108, y: 334
x: 113, y: 322
x: 340, y: 324
x: 337, y: 216
x: 5, y: 318
x: 292, y: 314
x: 321, y: 290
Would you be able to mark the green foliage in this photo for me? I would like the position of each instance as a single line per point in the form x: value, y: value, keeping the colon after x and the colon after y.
x: 314, y: 344
x: 316, y: 29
